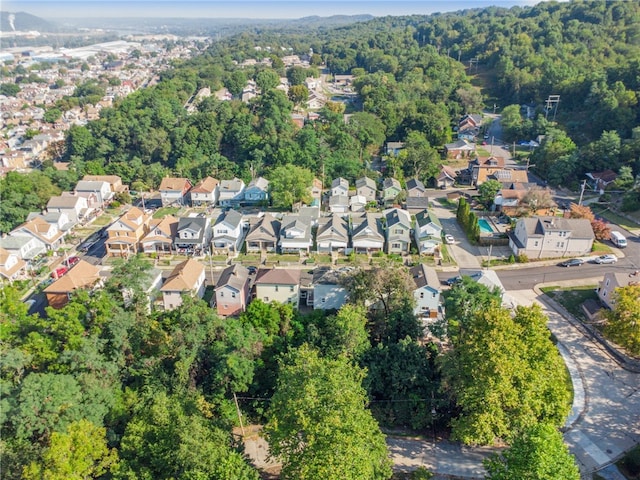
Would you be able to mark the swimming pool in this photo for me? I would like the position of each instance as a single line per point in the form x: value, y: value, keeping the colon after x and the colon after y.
x: 485, y: 227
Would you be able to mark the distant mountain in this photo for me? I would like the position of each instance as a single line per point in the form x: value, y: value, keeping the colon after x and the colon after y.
x: 24, y: 22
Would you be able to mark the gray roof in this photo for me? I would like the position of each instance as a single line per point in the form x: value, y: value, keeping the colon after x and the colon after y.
x: 198, y: 224
x: 338, y: 200
x: 260, y: 183
x: 426, y: 217
x: 267, y: 228
x: 234, y: 185
x: 396, y: 216
x: 367, y: 226
x: 333, y: 226
x: 231, y: 218
x: 14, y: 243
x: 414, y: 183
x: 579, y: 227
x: 417, y: 203
x: 63, y: 201
x: 235, y: 276
x: 391, y: 182
x: 91, y: 186
x: 340, y: 182
x: 425, y: 276
x: 366, y: 182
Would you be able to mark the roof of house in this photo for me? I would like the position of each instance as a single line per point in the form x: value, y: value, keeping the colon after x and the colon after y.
x: 260, y: 183
x: 235, y: 276
x: 81, y: 275
x: 277, y: 276
x: 414, y: 183
x: 91, y: 186
x: 111, y: 179
x: 622, y: 279
x: 173, y: 184
x: 38, y: 227
x: 267, y: 228
x: 233, y: 218
x: 336, y: 200
x: 298, y: 222
x: 184, y: 277
x: 426, y: 217
x: 340, y: 182
x: 132, y: 218
x: 367, y: 226
x: 327, y: 276
x: 196, y: 224
x: 4, y: 257
x: 167, y: 225
x: 447, y: 172
x: 233, y: 185
x: 396, y: 216
x: 425, y: 276
x: 64, y: 201
x: 579, y: 227
x: 206, y: 185
x: 366, y: 182
x: 487, y: 162
x: 606, y: 176
x: 460, y: 145
x: 391, y: 182
x: 333, y: 225
x: 417, y: 203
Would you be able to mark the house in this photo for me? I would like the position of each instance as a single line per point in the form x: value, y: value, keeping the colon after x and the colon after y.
x: 150, y: 283
x: 173, y: 191
x: 101, y: 189
x: 338, y: 204
x: 257, y: 191
x: 328, y: 290
x: 125, y: 234
x: 278, y: 285
x: 426, y: 292
x: 82, y: 275
x: 611, y: 282
x: 339, y: 186
x: 187, y: 278
x: 46, y: 233
x: 391, y: 188
x: 415, y: 205
x: 114, y: 181
x: 415, y: 188
x: 366, y: 187
x: 295, y: 234
x: 459, y: 149
x: 232, y: 291
x: 263, y: 235
x: 398, y: 230
x: 74, y: 207
x: 393, y: 148
x: 24, y: 247
x: 228, y: 231
x: 446, y: 177
x: 205, y: 192
x: 316, y: 189
x: 490, y: 279
x: 193, y: 235
x: 11, y: 265
x: 59, y: 219
x: 551, y: 237
x: 427, y: 232
x: 357, y: 203
x: 598, y: 181
x: 367, y: 235
x: 332, y: 235
x: 231, y: 192
x: 160, y: 237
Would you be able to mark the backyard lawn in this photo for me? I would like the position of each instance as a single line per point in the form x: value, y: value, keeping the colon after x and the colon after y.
x: 572, y: 298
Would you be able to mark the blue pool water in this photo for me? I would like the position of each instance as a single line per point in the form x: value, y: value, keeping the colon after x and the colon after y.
x: 484, y: 226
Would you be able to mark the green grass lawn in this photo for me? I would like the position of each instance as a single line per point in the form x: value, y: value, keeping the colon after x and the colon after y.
x: 164, y: 211
x: 102, y: 220
x: 572, y: 298
x: 617, y: 219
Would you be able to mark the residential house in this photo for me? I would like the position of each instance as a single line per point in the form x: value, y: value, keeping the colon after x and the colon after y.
x: 46, y: 233
x: 426, y: 292
x: 278, y: 285
x: 205, y: 192
x: 482, y: 169
x: 446, y: 177
x: 295, y: 234
x: 339, y: 186
x: 329, y: 292
x: 366, y: 187
x: 101, y: 189
x: 367, y: 233
x: 257, y: 191
x: 82, y: 275
x: 598, y: 181
x: 232, y: 291
x: 316, y: 190
x: 551, y: 237
x: 24, y: 247
x: 490, y: 279
x: 415, y: 188
x: 193, y: 235
x: 173, y: 191
x: 228, y: 231
x: 187, y: 278
x: 459, y: 149
x: 398, y: 230
x: 391, y: 188
x: 613, y: 281
x: 414, y: 205
x: 393, y: 148
x: 59, y: 219
x: 231, y: 192
x: 114, y: 181
x: 125, y: 234
x: 74, y: 207
x: 427, y: 232
x: 12, y: 266
x: 263, y: 235
x: 160, y: 237
x: 338, y: 204
x: 357, y: 203
x: 332, y: 234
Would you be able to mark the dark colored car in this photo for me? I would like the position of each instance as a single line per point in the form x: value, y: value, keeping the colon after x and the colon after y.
x: 453, y: 280
x: 574, y: 262
x: 252, y: 270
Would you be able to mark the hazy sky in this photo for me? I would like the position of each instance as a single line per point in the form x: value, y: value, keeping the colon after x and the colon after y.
x: 241, y: 8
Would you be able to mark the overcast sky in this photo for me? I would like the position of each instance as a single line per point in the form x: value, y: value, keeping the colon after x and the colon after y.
x: 241, y: 8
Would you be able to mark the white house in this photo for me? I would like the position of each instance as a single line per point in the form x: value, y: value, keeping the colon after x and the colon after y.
x: 47, y: 234
x: 295, y: 234
x: 332, y: 235
x: 75, y: 207
x: 551, y: 237
x: 427, y: 291
x: 231, y: 192
x: 357, y: 203
x: 11, y: 265
x: 329, y: 292
x: 338, y: 204
x: 228, y: 231
x: 339, y: 186
x: 205, y: 192
x: 101, y: 189
x: 427, y: 232
x: 367, y: 234
x: 173, y: 191
x: 24, y: 247
x: 613, y: 281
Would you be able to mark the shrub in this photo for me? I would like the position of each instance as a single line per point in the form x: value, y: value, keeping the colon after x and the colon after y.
x: 522, y: 258
x: 512, y: 258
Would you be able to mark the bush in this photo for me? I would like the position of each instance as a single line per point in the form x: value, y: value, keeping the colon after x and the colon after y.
x: 115, y: 204
x: 421, y: 474
x: 512, y: 258
x: 522, y: 258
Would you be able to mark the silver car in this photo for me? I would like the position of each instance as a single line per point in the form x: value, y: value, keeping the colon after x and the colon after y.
x: 608, y: 258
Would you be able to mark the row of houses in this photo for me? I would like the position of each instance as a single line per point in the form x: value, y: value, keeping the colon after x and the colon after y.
x: 209, y: 191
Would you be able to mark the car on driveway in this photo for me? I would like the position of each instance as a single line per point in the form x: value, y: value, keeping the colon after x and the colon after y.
x: 453, y: 281
x: 574, y: 262
x: 252, y: 269
x: 608, y: 258
x: 449, y: 239
x: 58, y: 272
x: 71, y: 261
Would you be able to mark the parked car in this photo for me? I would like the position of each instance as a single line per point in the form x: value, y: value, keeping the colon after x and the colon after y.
x: 58, y: 272
x: 71, y: 261
x: 252, y: 269
x: 449, y: 239
x: 453, y: 280
x: 608, y: 258
x: 574, y: 262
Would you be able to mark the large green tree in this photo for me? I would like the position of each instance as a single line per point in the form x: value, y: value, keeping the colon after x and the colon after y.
x: 290, y: 184
x: 318, y: 423
x: 623, y: 321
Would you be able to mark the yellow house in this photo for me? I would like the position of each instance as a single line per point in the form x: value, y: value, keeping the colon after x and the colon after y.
x: 126, y: 232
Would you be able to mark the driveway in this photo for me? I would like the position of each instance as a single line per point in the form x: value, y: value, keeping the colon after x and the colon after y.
x: 466, y: 256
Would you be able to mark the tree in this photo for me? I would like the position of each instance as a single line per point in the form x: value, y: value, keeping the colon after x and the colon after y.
x: 9, y: 89
x: 297, y: 75
x: 267, y: 79
x: 538, y: 453
x: 538, y: 198
x: 236, y: 82
x: 623, y: 321
x: 600, y: 229
x: 298, y: 94
x: 77, y: 454
x: 511, y: 122
x: 290, y: 184
x: 488, y: 191
x: 318, y: 424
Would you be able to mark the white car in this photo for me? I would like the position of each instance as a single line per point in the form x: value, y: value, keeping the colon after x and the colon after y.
x: 449, y: 239
x: 608, y: 258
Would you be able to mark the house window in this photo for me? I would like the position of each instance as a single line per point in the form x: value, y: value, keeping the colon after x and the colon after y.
x: 607, y: 283
x: 398, y: 231
x: 324, y: 300
x: 604, y: 294
x: 276, y: 288
x: 233, y: 294
x: 433, y: 295
x: 291, y: 288
x: 221, y: 294
x: 395, y: 245
x: 265, y: 299
x: 535, y: 244
x: 421, y: 294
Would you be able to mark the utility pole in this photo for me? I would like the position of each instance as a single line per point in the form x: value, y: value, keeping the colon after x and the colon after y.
x: 235, y: 399
x: 584, y: 184
x: 552, y: 101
